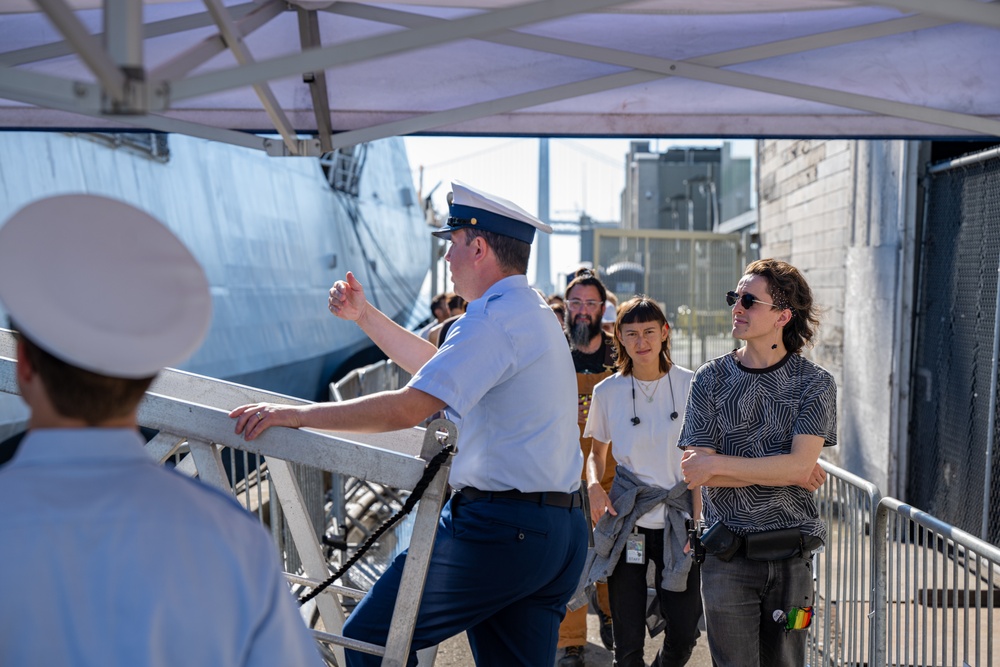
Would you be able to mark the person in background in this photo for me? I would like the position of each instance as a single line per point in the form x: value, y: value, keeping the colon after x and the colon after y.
x: 456, y: 306
x: 642, y: 522
x: 593, y: 359
x: 512, y: 540
x: 106, y: 557
x: 755, y: 424
x: 440, y: 311
x: 559, y: 308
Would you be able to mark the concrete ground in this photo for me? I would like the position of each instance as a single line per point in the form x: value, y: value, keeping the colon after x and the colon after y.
x: 455, y: 652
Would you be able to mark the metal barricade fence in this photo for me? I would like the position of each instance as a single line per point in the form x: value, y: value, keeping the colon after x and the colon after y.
x: 897, y: 587
x: 936, y: 594
x: 842, y: 571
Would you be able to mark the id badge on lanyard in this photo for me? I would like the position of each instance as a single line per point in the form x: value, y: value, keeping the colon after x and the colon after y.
x: 635, y: 549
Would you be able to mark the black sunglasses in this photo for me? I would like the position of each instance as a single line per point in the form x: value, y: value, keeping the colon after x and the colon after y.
x: 745, y: 300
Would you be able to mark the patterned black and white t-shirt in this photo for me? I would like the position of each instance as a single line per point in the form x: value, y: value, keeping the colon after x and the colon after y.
x: 752, y: 413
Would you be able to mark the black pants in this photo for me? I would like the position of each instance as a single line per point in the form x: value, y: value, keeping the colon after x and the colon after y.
x: 627, y: 590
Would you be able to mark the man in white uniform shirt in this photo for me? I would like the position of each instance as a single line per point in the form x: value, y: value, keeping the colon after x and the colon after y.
x: 512, y: 541
x: 106, y: 557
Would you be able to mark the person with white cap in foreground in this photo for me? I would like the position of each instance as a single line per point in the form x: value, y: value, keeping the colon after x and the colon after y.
x: 106, y: 557
x: 512, y: 541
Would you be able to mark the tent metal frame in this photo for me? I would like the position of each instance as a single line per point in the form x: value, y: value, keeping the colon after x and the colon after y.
x: 125, y: 93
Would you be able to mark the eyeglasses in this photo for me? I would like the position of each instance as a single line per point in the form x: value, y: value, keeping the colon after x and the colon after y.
x: 746, y: 300
x: 576, y: 304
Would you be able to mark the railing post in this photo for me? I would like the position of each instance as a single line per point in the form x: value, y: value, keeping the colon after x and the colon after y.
x: 411, y: 585
x: 293, y: 506
x: 880, y: 606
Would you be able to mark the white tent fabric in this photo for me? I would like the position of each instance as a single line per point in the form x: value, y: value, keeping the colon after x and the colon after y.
x: 325, y: 74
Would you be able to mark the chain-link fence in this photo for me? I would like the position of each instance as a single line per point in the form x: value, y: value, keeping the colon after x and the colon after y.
x: 687, y: 273
x: 949, y: 472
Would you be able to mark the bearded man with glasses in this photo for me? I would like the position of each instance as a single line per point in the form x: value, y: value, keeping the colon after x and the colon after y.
x: 755, y: 424
x: 594, y: 359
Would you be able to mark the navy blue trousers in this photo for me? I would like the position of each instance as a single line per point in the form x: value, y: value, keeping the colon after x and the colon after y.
x: 502, y: 570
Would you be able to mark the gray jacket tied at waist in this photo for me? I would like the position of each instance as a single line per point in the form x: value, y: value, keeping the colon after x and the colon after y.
x: 631, y: 499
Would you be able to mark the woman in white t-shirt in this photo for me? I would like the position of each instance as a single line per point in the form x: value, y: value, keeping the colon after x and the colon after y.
x: 638, y: 409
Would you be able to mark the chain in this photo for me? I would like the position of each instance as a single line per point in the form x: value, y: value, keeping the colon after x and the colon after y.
x: 429, y: 472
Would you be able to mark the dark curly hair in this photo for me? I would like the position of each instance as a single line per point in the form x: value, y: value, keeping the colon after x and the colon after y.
x: 788, y: 289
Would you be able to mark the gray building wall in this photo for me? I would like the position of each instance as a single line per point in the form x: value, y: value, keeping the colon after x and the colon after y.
x: 684, y: 188
x: 843, y: 212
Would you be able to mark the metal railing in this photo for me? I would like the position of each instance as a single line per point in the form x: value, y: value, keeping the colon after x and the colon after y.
x: 839, y: 634
x: 937, y: 591
x: 195, y: 433
x: 370, y: 379
x: 894, y: 585
x: 356, y: 504
x: 898, y: 587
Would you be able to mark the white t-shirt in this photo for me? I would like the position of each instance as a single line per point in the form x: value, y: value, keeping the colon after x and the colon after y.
x: 648, y: 449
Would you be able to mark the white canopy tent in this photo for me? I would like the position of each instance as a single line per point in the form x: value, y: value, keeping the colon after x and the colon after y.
x: 327, y: 74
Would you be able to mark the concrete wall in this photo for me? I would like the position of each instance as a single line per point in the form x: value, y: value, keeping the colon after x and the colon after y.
x: 805, y: 189
x: 842, y: 212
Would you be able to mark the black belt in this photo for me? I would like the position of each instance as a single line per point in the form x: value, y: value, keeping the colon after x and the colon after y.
x: 553, y: 498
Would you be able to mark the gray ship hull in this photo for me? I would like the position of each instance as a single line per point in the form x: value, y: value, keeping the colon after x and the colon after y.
x: 271, y: 233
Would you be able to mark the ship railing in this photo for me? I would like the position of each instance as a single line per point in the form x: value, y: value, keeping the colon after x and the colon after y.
x: 189, y: 414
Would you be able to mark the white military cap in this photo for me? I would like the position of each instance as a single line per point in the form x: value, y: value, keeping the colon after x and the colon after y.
x: 102, y: 285
x: 475, y: 209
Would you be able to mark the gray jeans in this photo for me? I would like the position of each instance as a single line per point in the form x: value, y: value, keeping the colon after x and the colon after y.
x: 741, y: 598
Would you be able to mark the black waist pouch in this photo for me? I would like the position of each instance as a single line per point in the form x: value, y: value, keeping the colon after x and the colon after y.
x: 721, y: 542
x: 774, y: 544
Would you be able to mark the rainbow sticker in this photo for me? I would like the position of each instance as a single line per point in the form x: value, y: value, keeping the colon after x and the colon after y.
x: 799, y: 618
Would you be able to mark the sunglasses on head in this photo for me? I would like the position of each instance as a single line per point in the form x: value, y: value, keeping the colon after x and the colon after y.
x: 745, y: 300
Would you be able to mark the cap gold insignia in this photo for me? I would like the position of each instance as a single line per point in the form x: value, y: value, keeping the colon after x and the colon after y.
x: 474, y: 221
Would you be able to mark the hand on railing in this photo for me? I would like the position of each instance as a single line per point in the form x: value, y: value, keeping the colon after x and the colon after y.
x: 816, y: 478
x: 255, y: 418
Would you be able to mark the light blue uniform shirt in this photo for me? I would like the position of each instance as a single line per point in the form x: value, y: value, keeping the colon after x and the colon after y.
x: 506, y: 374
x: 107, y: 558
